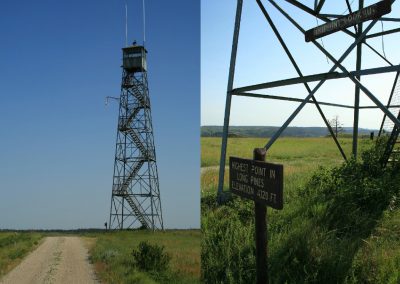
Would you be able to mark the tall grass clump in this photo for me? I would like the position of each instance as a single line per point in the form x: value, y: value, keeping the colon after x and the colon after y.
x: 151, y: 258
x: 318, y: 237
x: 142, y: 256
x: 228, y: 244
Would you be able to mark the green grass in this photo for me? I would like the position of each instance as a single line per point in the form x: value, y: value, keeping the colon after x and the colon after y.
x: 327, y: 231
x: 318, y: 151
x: 14, y: 246
x: 299, y: 156
x: 113, y: 260
x: 378, y: 259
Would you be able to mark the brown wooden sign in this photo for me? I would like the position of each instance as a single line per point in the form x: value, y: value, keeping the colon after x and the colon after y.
x: 256, y: 180
x: 368, y: 13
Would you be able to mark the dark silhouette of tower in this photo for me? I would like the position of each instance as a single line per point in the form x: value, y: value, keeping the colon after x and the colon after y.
x: 135, y: 200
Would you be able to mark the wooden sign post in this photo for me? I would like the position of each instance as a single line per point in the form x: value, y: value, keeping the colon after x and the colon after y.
x: 261, y: 229
x: 262, y: 182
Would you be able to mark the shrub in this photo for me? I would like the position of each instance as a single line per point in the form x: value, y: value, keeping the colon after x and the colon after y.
x: 151, y: 258
x: 318, y: 236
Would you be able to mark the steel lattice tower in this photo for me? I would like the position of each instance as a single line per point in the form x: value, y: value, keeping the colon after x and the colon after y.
x: 135, y: 200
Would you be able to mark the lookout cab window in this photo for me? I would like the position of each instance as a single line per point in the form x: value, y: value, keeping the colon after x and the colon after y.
x: 134, y: 58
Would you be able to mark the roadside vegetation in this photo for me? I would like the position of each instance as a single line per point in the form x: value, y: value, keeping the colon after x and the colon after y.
x: 340, y: 222
x: 140, y: 256
x: 129, y: 256
x: 14, y: 246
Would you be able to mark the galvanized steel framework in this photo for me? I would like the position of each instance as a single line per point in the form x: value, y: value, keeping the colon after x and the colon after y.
x: 135, y: 200
x: 360, y: 36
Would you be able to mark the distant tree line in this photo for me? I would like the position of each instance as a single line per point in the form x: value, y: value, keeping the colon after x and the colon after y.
x: 268, y: 131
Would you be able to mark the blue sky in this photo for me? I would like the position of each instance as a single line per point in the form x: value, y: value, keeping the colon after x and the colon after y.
x: 261, y: 59
x: 59, y: 60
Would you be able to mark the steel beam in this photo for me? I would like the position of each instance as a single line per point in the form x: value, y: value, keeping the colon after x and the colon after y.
x: 291, y: 99
x: 372, y: 107
x: 377, y: 53
x: 383, y: 33
x: 389, y: 101
x: 358, y: 83
x: 336, y: 65
x: 350, y: 11
x: 294, y: 63
x: 302, y: 7
x: 319, y: 6
x: 349, y: 6
x: 357, y: 88
x: 291, y: 81
x: 317, y: 77
x: 229, y: 99
x: 383, y: 19
x: 281, y: 98
x: 323, y: 16
x: 325, y: 19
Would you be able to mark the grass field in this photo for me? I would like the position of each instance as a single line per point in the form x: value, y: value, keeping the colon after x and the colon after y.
x: 336, y: 225
x: 320, y: 151
x: 112, y: 256
x: 14, y: 246
x: 111, y: 253
x: 300, y: 157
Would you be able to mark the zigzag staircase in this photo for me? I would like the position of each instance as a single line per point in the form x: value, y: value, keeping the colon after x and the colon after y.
x: 136, y: 92
x: 133, y: 133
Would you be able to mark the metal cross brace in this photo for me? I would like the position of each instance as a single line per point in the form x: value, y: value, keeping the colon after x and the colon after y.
x: 291, y: 99
x: 382, y: 19
x: 325, y: 19
x: 316, y: 77
x: 337, y: 64
x: 389, y: 101
x: 318, y: 6
x: 295, y: 65
x: 359, y: 39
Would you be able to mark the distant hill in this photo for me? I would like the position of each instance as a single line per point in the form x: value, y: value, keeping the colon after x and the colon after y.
x: 268, y: 131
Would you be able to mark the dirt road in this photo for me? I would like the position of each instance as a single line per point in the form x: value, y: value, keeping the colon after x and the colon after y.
x: 56, y: 260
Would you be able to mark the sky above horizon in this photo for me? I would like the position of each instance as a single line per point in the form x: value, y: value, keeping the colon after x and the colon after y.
x: 261, y: 59
x: 59, y: 60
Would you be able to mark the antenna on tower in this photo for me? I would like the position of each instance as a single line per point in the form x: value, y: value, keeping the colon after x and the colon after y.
x: 107, y: 99
x: 126, y: 23
x: 144, y: 24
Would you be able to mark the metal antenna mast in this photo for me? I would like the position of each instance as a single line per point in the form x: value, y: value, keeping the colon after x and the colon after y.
x: 144, y: 23
x: 135, y: 199
x: 126, y: 23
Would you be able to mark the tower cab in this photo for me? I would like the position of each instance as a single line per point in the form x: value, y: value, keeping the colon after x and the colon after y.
x: 134, y: 58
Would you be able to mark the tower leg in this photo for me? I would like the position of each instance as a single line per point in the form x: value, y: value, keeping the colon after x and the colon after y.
x: 357, y: 88
x: 229, y: 100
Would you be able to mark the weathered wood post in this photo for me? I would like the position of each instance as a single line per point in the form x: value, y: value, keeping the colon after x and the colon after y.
x: 263, y: 183
x: 261, y: 229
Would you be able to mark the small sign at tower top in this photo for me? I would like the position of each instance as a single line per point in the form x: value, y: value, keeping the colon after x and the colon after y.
x: 368, y: 13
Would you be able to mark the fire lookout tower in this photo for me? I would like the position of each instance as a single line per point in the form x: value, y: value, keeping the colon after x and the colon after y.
x: 135, y: 200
